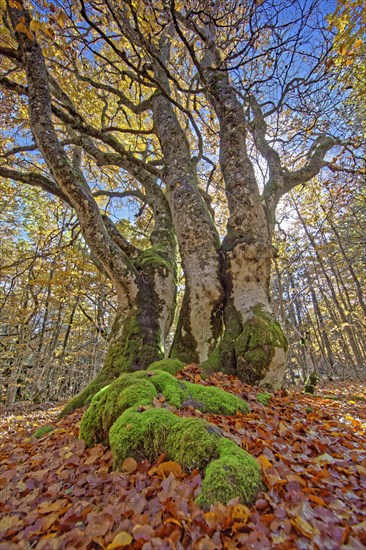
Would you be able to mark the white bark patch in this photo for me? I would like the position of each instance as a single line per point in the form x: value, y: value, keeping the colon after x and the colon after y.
x: 276, y: 371
x: 126, y: 291
x: 165, y: 289
x: 249, y: 270
x: 205, y: 291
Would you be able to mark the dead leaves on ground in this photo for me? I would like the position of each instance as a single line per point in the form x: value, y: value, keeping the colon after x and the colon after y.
x: 56, y: 494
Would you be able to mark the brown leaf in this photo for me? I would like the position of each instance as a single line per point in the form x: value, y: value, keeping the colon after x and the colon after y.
x: 129, y: 465
x: 304, y: 527
x: 47, y: 507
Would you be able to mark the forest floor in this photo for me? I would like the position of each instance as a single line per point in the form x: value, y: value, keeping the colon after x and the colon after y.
x: 57, y: 494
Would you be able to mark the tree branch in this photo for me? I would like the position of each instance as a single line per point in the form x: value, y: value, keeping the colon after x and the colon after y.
x: 37, y: 180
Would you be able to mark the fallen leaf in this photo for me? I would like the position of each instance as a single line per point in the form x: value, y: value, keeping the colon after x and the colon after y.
x: 129, y: 465
x: 121, y: 540
x: 170, y: 467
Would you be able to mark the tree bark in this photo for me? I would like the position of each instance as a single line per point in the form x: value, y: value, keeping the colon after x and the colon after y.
x: 199, y: 325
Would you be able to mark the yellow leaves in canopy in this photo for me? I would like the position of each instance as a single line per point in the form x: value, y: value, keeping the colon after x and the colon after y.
x: 22, y: 28
x: 34, y: 25
x: 61, y: 19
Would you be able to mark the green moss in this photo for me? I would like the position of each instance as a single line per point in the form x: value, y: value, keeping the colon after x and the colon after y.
x: 127, y: 353
x: 231, y: 471
x: 234, y: 474
x: 205, y: 398
x: 170, y: 387
x: 263, y: 398
x: 192, y: 443
x: 172, y: 366
x: 106, y: 406
x: 256, y: 345
x: 42, y: 431
x: 333, y: 397
x: 140, y: 434
x: 311, y: 382
x: 123, y: 351
x: 212, y: 363
x: 211, y: 399
x: 150, y: 433
x: 86, y: 395
x: 157, y: 258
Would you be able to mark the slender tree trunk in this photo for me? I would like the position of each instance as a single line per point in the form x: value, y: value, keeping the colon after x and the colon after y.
x: 338, y: 305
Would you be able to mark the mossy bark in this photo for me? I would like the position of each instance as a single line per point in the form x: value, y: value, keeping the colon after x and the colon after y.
x: 255, y: 350
x: 138, y: 335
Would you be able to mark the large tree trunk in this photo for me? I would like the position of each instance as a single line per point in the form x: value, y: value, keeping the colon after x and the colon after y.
x: 254, y: 345
x: 200, y: 322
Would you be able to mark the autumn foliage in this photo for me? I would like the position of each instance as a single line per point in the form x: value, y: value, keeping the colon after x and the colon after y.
x: 55, y: 493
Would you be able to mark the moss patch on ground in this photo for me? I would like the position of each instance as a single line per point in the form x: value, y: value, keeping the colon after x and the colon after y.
x: 263, y: 398
x: 40, y: 432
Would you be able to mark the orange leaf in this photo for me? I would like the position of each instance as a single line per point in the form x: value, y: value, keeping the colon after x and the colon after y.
x: 47, y: 507
x: 173, y: 520
x: 166, y: 468
x: 129, y: 465
x: 317, y: 500
x: 21, y: 28
x: 264, y: 462
x: 240, y: 513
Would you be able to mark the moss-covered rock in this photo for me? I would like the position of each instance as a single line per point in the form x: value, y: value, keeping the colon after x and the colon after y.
x: 40, y: 432
x: 263, y: 398
x: 193, y: 443
x: 205, y: 398
x: 172, y: 366
x: 149, y: 433
x: 140, y: 388
x: 108, y: 404
x: 123, y: 415
x: 235, y: 473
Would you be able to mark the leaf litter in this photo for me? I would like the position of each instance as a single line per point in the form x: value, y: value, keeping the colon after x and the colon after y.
x: 57, y: 494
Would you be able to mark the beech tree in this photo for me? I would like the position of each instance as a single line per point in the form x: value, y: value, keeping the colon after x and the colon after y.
x: 174, y: 105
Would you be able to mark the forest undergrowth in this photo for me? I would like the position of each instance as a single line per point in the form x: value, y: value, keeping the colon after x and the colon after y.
x: 57, y: 494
